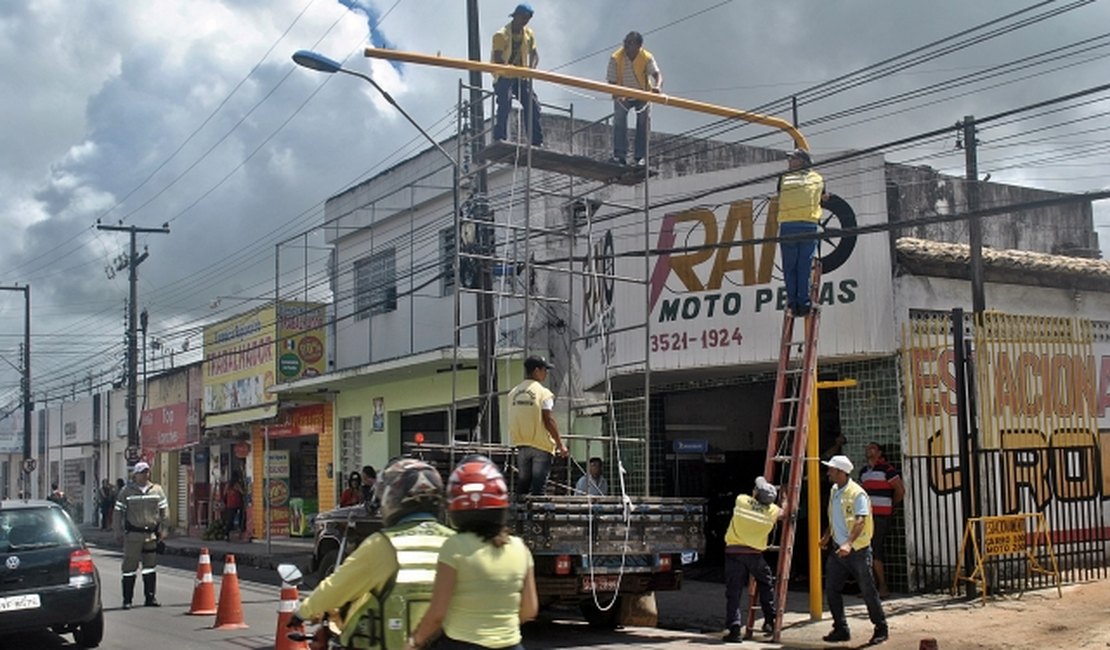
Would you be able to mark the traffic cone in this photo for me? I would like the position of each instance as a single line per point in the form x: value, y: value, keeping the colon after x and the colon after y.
x: 229, y: 616
x: 290, y: 599
x: 204, y: 592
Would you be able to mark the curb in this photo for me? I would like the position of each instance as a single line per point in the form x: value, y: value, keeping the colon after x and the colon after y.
x: 243, y: 556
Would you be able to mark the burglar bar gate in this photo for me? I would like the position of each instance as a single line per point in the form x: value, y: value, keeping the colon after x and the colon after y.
x: 1032, y: 390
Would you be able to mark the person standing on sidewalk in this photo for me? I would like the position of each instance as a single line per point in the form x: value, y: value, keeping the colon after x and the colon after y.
x: 753, y: 518
x: 233, y: 505
x: 515, y: 44
x: 532, y: 428
x: 632, y: 66
x: 850, y: 528
x: 883, y: 483
x: 107, y: 502
x: 141, y: 525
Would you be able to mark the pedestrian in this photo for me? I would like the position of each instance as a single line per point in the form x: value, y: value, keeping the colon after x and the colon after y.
x: 592, y: 482
x: 533, y: 429
x: 369, y: 479
x: 233, y: 505
x: 850, y: 528
x: 801, y: 191
x: 515, y: 44
x: 107, y: 501
x: 485, y: 585
x: 352, y: 494
x: 58, y: 496
x: 395, y: 563
x: 753, y: 518
x: 632, y: 66
x: 884, y: 486
x: 141, y: 525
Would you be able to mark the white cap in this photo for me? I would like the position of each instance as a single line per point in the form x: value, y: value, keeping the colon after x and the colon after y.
x: 841, y: 463
x: 141, y: 466
x: 765, y: 492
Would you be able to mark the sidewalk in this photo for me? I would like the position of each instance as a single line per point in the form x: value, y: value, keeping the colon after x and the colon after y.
x: 294, y: 551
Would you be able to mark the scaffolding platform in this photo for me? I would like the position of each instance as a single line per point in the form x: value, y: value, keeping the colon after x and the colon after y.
x: 581, y: 166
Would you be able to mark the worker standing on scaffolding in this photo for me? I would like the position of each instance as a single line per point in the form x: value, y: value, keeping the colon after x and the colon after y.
x: 533, y: 429
x: 515, y: 44
x: 632, y: 66
x: 801, y: 191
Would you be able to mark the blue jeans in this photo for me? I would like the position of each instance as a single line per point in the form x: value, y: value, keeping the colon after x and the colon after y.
x: 533, y: 465
x: 505, y: 88
x: 797, y: 260
x: 837, y: 571
x: 620, y: 127
x: 738, y: 568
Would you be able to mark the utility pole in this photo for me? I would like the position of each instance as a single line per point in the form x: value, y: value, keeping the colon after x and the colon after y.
x: 487, y: 365
x: 131, y: 262
x: 974, y: 226
x: 25, y: 383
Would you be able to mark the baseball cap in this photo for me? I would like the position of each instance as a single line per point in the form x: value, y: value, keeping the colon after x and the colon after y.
x: 765, y: 492
x: 841, y: 463
x: 533, y: 363
x: 141, y: 466
x: 801, y: 154
x: 522, y: 8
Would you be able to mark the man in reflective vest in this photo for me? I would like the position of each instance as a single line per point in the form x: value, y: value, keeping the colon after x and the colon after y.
x: 632, y: 66
x: 753, y: 518
x: 515, y: 44
x: 850, y: 529
x: 391, y: 570
x: 143, y: 518
x: 801, y: 191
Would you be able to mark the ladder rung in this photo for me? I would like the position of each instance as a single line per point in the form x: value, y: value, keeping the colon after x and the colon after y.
x: 782, y: 459
x: 790, y: 399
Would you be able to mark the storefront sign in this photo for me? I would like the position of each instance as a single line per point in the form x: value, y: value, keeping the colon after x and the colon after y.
x: 277, y: 490
x: 691, y: 446
x: 239, y: 362
x: 301, y: 421
x: 165, y: 428
x: 278, y: 462
x: 302, y: 340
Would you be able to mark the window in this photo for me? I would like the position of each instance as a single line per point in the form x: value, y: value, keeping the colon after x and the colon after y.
x: 376, y: 284
x: 350, y: 450
x: 447, y: 260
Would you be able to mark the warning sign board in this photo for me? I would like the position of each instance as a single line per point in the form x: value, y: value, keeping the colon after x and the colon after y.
x: 990, y: 537
x: 1004, y: 535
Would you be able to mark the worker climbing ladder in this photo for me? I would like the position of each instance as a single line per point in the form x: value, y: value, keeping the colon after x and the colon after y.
x: 786, y: 443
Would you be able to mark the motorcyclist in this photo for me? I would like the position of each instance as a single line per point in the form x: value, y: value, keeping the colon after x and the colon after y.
x: 400, y: 557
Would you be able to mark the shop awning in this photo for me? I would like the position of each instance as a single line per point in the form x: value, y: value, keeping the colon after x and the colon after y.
x: 263, y: 412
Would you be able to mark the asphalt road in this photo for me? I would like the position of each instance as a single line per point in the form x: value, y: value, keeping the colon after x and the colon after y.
x: 170, y: 628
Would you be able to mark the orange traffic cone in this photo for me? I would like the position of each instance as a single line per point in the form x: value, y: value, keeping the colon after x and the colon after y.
x: 290, y: 599
x: 204, y: 592
x: 229, y: 616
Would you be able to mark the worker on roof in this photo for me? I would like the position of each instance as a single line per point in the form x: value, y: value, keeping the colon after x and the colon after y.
x: 632, y: 66
x: 515, y: 44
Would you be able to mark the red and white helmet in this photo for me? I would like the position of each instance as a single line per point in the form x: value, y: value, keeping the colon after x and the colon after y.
x: 476, y: 484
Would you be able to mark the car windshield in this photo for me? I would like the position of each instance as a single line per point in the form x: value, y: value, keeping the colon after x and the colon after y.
x: 28, y: 528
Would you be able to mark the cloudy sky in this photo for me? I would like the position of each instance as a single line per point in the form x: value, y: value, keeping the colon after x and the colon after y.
x: 191, y: 113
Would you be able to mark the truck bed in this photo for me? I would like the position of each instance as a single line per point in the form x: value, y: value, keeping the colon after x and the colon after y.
x: 558, y: 525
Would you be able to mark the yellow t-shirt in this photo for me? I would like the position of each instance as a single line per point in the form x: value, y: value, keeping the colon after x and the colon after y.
x: 370, y: 567
x: 485, y: 607
x: 527, y: 402
x: 751, y: 523
x: 800, y: 196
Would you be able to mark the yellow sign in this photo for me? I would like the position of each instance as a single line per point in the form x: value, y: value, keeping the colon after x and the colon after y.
x: 991, y: 537
x: 1003, y: 535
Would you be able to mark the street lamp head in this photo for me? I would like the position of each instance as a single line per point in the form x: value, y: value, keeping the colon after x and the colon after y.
x: 316, y: 61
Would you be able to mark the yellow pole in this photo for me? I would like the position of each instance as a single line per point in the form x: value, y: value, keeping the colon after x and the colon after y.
x: 813, y: 492
x: 588, y: 84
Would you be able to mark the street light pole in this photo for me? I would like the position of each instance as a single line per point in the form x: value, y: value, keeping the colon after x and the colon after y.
x: 25, y: 381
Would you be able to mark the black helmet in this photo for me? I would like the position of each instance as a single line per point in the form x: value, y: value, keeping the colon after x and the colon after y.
x: 408, y: 485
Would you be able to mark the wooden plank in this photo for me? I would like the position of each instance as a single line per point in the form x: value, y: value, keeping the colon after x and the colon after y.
x: 596, y: 170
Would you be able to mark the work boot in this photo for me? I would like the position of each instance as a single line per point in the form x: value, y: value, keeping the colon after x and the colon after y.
x: 150, y: 583
x: 733, y: 635
x: 128, y: 591
x: 768, y: 628
x: 881, y: 634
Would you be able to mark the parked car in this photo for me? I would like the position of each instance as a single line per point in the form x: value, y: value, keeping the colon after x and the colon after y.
x: 48, y: 579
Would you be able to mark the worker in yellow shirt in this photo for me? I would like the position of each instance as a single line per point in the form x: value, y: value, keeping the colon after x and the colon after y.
x: 533, y: 429
x: 801, y: 191
x: 632, y: 66
x: 515, y: 44
x: 753, y: 518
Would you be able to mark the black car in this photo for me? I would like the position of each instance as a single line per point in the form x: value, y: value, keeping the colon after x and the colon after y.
x: 48, y: 579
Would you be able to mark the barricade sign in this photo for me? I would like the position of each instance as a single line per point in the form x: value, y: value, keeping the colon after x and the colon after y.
x: 1005, y: 535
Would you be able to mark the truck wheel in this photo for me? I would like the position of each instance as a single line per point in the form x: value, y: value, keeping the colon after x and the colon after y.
x: 606, y: 620
x: 327, y: 564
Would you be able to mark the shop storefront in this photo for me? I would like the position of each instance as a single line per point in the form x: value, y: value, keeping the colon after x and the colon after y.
x: 295, y: 457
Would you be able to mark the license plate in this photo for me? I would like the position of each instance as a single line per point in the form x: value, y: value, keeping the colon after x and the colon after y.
x: 603, y: 583
x: 27, y: 601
